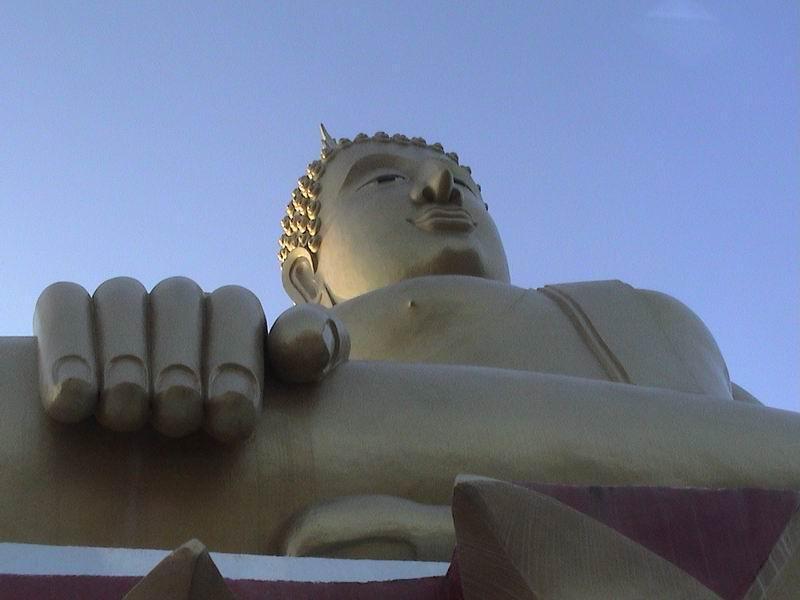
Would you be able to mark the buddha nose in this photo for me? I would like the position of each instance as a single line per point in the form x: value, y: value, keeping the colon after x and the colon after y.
x: 434, y: 185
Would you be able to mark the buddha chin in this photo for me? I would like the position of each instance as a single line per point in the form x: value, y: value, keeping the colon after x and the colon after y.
x: 452, y: 260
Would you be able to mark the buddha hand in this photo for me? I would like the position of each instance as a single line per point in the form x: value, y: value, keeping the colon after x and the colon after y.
x: 176, y: 357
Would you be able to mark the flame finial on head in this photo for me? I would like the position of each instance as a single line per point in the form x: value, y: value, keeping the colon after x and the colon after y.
x: 328, y: 143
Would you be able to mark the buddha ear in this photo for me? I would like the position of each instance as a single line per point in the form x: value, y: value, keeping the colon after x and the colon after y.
x: 301, y: 280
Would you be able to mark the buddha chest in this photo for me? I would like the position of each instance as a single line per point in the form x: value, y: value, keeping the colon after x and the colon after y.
x: 467, y: 321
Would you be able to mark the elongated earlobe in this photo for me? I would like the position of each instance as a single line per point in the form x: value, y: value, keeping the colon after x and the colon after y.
x: 301, y: 281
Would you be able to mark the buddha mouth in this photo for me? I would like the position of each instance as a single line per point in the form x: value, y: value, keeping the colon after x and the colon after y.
x: 444, y: 218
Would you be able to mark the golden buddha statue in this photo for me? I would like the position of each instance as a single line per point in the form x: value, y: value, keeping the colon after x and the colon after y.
x: 408, y: 359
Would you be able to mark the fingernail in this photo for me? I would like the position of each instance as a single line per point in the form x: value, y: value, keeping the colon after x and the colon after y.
x: 232, y: 407
x: 73, y: 393
x: 337, y: 340
x: 71, y: 368
x: 233, y: 379
x: 177, y: 376
x: 125, y: 369
x: 124, y: 404
x: 330, y: 339
x: 178, y: 402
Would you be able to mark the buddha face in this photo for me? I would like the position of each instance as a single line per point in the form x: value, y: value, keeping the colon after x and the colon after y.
x: 390, y: 212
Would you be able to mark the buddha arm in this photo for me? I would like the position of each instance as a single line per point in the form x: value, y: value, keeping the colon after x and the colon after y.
x: 699, y: 358
x: 521, y: 425
x: 371, y: 428
x: 694, y: 342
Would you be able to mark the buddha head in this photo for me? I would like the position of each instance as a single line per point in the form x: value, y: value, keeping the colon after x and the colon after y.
x: 378, y: 210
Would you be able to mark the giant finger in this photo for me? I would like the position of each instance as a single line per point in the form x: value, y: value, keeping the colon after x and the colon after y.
x: 306, y: 343
x: 120, y: 309
x: 236, y: 334
x: 176, y: 314
x: 62, y: 323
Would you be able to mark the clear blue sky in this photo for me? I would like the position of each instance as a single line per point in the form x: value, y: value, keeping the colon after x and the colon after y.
x: 654, y: 142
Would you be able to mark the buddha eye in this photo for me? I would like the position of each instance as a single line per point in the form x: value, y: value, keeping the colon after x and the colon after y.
x: 383, y: 179
x: 388, y: 178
